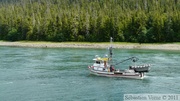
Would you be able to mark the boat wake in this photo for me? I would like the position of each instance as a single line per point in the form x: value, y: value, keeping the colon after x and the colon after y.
x: 5, y: 83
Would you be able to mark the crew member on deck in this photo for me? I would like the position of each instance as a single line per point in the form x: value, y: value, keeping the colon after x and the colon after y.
x: 111, y: 68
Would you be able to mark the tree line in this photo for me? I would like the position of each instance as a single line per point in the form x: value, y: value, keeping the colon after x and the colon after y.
x: 143, y: 21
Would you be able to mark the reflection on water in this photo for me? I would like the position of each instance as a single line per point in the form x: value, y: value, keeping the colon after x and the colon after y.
x: 61, y: 74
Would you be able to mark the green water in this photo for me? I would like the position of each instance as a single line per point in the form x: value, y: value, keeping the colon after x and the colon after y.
x: 61, y: 74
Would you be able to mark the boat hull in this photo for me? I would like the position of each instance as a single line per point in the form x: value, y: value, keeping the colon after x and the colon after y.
x: 117, y: 74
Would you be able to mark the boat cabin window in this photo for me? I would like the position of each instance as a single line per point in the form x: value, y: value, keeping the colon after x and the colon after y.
x: 98, y: 62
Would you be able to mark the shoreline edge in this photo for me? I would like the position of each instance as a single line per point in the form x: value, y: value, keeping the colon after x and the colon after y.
x: 168, y: 46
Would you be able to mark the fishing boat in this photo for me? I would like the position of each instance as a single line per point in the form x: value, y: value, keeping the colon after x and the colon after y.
x: 104, y: 66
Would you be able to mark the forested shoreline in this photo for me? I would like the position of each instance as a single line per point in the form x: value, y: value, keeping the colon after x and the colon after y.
x: 143, y: 21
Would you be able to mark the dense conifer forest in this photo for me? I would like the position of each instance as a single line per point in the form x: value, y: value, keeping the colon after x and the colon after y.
x: 143, y: 21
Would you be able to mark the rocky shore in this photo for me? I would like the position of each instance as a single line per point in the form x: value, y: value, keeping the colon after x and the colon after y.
x: 172, y: 46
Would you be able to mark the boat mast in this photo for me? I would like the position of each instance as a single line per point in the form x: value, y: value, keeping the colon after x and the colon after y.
x: 110, y: 48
